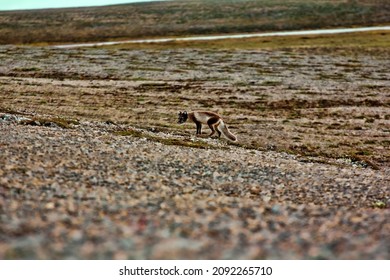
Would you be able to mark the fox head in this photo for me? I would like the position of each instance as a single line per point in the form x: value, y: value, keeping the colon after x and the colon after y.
x: 183, y: 116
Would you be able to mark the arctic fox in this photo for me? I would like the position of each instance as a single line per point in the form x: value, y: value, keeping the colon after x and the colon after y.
x: 213, y: 120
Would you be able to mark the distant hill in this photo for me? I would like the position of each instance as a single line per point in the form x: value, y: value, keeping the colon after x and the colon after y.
x: 191, y: 17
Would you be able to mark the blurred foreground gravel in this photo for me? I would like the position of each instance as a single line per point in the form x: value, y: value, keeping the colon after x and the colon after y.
x: 87, y: 193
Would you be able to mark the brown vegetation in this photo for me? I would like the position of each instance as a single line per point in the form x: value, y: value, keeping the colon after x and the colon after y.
x: 173, y: 18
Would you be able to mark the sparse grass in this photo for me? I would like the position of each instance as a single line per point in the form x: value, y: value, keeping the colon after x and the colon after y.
x: 333, y: 76
x: 7, y: 110
x: 166, y: 141
x: 27, y: 69
x: 50, y: 121
x: 271, y: 83
x: 379, y: 204
x: 183, y: 18
x: 374, y: 42
x: 367, y: 86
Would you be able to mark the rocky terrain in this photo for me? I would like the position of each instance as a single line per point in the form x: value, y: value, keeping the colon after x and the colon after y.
x: 94, y: 166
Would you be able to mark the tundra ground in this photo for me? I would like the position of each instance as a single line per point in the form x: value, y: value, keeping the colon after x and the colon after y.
x: 94, y: 164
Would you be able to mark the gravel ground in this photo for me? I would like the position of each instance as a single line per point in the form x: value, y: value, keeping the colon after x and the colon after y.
x: 87, y: 193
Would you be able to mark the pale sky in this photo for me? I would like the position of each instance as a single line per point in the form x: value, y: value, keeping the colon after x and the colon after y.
x: 6, y: 5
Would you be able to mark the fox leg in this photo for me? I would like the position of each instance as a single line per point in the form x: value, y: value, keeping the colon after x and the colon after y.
x: 212, y: 130
x: 213, y: 123
x: 217, y: 129
x: 198, y: 128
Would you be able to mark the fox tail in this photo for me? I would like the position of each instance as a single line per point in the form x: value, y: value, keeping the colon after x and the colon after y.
x: 227, y: 132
